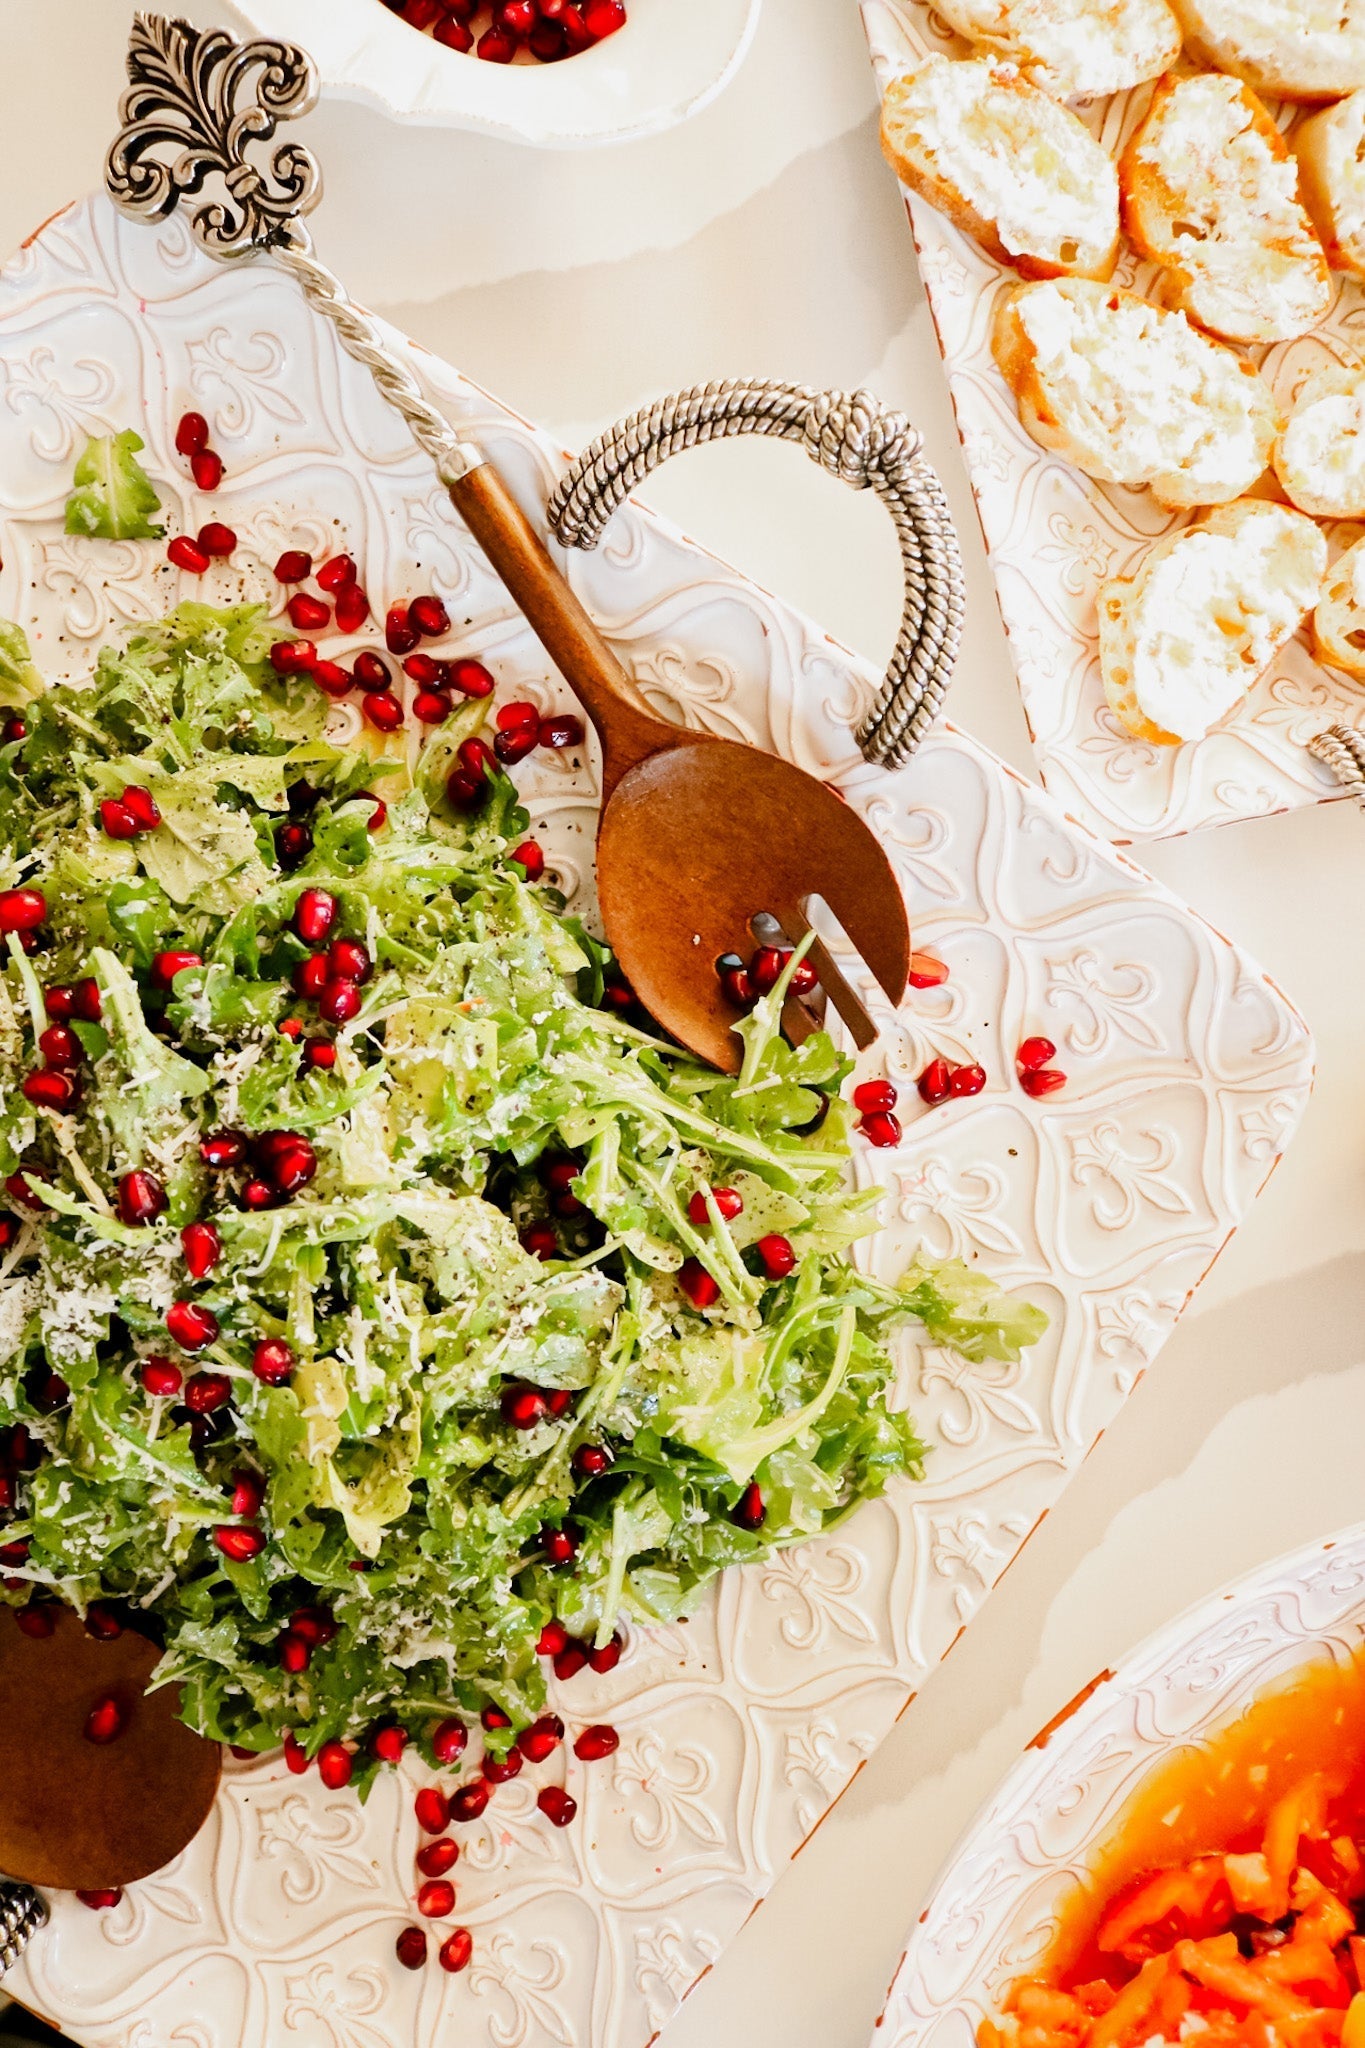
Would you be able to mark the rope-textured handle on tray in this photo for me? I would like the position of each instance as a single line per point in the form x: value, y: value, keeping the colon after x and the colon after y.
x: 1343, y: 751
x: 858, y: 439
x: 22, y: 1913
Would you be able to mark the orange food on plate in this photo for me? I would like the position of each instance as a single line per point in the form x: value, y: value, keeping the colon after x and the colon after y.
x: 1226, y: 1909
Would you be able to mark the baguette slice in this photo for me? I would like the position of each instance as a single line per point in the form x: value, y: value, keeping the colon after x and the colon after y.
x: 1133, y: 395
x: 1330, y: 147
x: 1017, y: 171
x: 1073, y: 49
x: 1339, y: 621
x: 1205, y: 613
x: 1210, y: 192
x: 1320, y: 456
x: 1288, y: 49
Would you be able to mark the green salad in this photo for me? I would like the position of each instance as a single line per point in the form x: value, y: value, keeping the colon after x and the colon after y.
x: 406, y: 1324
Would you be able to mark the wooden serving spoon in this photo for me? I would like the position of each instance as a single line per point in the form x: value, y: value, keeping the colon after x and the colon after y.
x: 78, y: 1815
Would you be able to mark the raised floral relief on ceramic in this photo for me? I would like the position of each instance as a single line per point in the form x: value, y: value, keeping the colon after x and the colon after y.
x: 1054, y: 536
x: 1105, y: 1203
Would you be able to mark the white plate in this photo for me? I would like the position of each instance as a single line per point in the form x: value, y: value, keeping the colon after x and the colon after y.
x: 994, y: 1909
x: 1106, y: 1203
x: 669, y: 61
x: 1054, y: 536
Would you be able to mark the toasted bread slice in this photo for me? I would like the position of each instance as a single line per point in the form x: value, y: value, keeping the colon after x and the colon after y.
x: 1210, y: 192
x: 1204, y: 613
x: 1073, y: 49
x: 1339, y: 621
x: 1330, y: 147
x: 1020, y: 173
x: 1288, y: 49
x: 1134, y: 395
x: 1320, y: 456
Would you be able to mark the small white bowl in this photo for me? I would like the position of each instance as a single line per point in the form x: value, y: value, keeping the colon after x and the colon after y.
x: 667, y: 62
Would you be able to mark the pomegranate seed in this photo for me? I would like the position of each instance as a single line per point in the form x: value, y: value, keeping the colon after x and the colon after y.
x: 559, y: 1400
x: 560, y: 1174
x: 411, y: 1948
x: 454, y: 34
x: 935, y: 1083
x: 541, y: 1739
x: 518, y: 17
x: 470, y: 678
x: 765, y: 969
x: 352, y: 608
x: 602, y: 18
x: 431, y: 707
x: 388, y: 1744
x: 207, y: 1391
x: 294, y: 657
x: 294, y: 1168
x: 576, y: 31
x: 468, y: 1802
x: 59, y: 1003
x: 1035, y: 1052
x: 400, y: 635
x: 456, y: 1950
x: 191, y: 1325
x: 339, y: 1002
x: 495, y: 46
x: 294, y: 1653
x: 432, y: 1808
x: 334, y: 1765
x: 607, y: 1658
x: 590, y: 1461
x: 523, y: 1407
x: 217, y: 539
x: 273, y: 1362
x: 595, y: 1743
x: 493, y: 1718
x: 466, y: 792
x: 248, y: 1491
x: 561, y: 1547
x: 166, y: 966
x: 161, y: 1377
x: 348, y: 960
x: 100, y: 1901
x: 498, y: 1770
x: 726, y: 1200
x: 293, y: 566
x: 881, y: 1128
x: 257, y: 1194
x: 371, y: 672
x: 308, y: 614
x: 449, y: 1740
x: 223, y: 1148
x: 750, y: 1511
x: 141, y: 1198
x: 314, y: 915
x: 187, y: 554
x: 106, y: 1720
x: 1042, y: 1080
x: 926, y: 971
x: 60, y: 1047
x: 379, y: 816
x: 331, y: 678
x: 318, y: 1053
x: 207, y: 469
x: 697, y: 1284
x: 51, y: 1393
x: 436, y: 1899
x: 116, y: 820
x: 382, y: 710
x: 22, y: 910
x: 102, y: 1623
x: 191, y: 433
x: 738, y: 986
x: 548, y: 42
x: 50, y: 1089
x: 511, y: 747
x: 310, y: 977
x: 142, y: 804
x: 966, y: 1081
x: 422, y: 670
x: 429, y: 616
x: 438, y: 1857
x: 556, y: 1805
x: 874, y: 1095
x: 15, y: 1553
x: 539, y: 1239
x: 777, y: 1256
x: 14, y: 729
x: 335, y: 574
x: 804, y: 978
x: 554, y: 1637
x: 476, y: 758
x: 529, y: 858
x: 518, y: 716
x: 295, y: 1755
x: 202, y: 1248
x: 314, y: 1624
x: 561, y: 732
x: 36, y: 1622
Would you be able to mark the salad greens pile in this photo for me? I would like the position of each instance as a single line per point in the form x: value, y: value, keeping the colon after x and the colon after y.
x: 386, y: 1475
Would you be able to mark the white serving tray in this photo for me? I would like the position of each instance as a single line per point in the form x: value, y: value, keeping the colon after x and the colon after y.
x: 1106, y: 1204
x: 1054, y: 535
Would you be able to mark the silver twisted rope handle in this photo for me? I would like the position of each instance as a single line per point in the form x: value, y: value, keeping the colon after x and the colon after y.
x: 1342, y: 749
x: 856, y: 438
x: 22, y: 1913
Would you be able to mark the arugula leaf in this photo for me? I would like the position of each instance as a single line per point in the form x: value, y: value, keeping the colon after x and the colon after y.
x: 114, y: 497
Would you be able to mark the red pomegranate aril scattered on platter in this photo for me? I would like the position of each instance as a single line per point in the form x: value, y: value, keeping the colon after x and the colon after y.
x: 511, y: 747
x: 554, y: 1637
x: 216, y: 538
x: 1039, y: 1081
x: 205, y: 1392
x: 750, y: 1511
x: 556, y: 1805
x: 371, y: 672
x: 22, y: 910
x: 449, y: 1741
x: 336, y: 573
x: 388, y: 1744
x: 141, y: 1198
x: 454, y: 34
x: 422, y: 670
x: 429, y: 616
x: 60, y: 1046
x: 518, y: 717
x: 334, y: 1765
x: 431, y: 707
x: 969, y: 1080
x: 456, y: 1951
x: 314, y: 915
x: 308, y: 614
x: 561, y: 1547
x: 382, y: 710
x: 295, y: 1755
x: 222, y: 1148
x: 106, y: 1720
x: 493, y: 1718
x: 191, y: 1325
x: 202, y: 1248
x: 191, y: 433
x: 523, y: 1407
x: 432, y: 1808
x: 400, y: 635
x: 436, y: 1899
x: 273, y: 1362
x: 590, y: 1461
x: 102, y: 1623
x: 36, y: 1622
x: 499, y: 1769
x: 187, y: 554
x: 470, y: 678
x: 926, y: 971
x: 310, y: 977
x: 161, y: 1377
x: 873, y: 1095
x: 777, y: 1256
x: 530, y: 858
x: 207, y: 469
x: 411, y: 1948
x: 882, y: 1128
x: 50, y: 1089
x: 165, y: 966
x: 116, y: 820
x: 595, y: 1743
x: 572, y: 1659
x: 331, y: 678
x: 293, y: 657
x: 726, y: 1200
x: 607, y: 1658
x: 294, y: 566
x: 295, y: 1653
x: 352, y: 608
x: 935, y: 1083
x: 468, y: 1802
x: 436, y: 1858
x: 1035, y: 1052
x: 560, y: 733
x: 541, y: 1739
x: 101, y: 1901
x: 248, y: 1491
x: 697, y: 1284
x: 238, y: 1544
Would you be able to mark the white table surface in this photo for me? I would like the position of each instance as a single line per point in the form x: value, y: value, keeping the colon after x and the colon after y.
x: 767, y: 238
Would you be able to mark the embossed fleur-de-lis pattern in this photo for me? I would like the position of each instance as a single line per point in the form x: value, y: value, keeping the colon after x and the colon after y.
x: 1054, y: 536
x: 994, y: 1909
x: 1107, y: 1203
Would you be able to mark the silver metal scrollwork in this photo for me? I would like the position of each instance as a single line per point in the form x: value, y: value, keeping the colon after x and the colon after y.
x: 201, y: 110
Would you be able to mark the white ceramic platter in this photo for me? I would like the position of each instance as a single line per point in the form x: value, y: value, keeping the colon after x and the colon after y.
x: 1106, y: 1203
x: 994, y: 1909
x: 664, y: 65
x: 1054, y: 536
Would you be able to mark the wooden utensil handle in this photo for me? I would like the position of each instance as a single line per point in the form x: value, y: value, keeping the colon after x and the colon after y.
x: 627, y: 729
